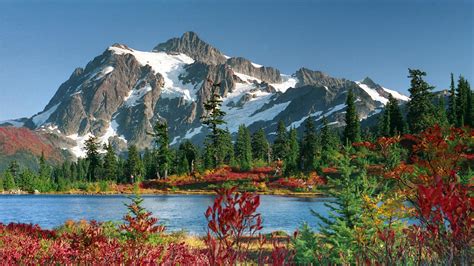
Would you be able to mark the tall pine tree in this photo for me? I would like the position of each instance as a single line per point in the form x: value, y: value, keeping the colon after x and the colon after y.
x: 243, y: 148
x: 163, y: 152
x: 213, y: 119
x: 110, y: 162
x: 352, y: 129
x: 292, y: 157
x: 329, y: 142
x: 309, y: 146
x: 93, y: 157
x: 421, y: 111
x: 134, y: 166
x: 280, y: 144
x: 260, y: 146
x: 452, y: 109
x: 441, y: 116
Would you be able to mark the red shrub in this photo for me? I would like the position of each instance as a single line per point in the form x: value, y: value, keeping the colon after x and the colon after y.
x: 231, y: 217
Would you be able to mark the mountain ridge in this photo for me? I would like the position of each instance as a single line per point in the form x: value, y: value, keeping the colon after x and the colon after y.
x: 121, y: 93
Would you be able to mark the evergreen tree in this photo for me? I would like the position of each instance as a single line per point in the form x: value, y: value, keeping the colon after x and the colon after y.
x: 469, y: 108
x: 93, y: 157
x: 338, y: 231
x: 309, y: 146
x: 243, y: 148
x: 213, y: 120
x: 43, y: 182
x: 260, y: 146
x: 352, y: 129
x: 462, y: 93
x: 291, y: 159
x: 421, y: 111
x: 280, y: 147
x: 452, y: 109
x: 9, y: 181
x: 149, y: 164
x: 189, y: 155
x: 110, y: 162
x: 164, y: 158
x: 225, y: 148
x: 14, y: 168
x: 134, y: 165
x: 396, y: 123
x: 384, y: 123
x: 441, y: 116
x: 329, y: 142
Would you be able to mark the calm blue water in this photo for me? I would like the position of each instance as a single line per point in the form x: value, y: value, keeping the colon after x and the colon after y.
x: 175, y: 211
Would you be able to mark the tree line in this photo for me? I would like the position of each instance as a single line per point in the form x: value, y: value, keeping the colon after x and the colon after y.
x: 296, y: 154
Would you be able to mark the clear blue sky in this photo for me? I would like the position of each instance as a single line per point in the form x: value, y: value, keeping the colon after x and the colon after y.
x: 41, y: 42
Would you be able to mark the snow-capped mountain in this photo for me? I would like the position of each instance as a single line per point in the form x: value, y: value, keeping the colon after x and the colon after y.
x: 121, y: 93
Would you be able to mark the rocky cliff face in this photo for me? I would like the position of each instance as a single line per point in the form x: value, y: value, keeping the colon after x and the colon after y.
x: 191, y: 45
x: 121, y: 93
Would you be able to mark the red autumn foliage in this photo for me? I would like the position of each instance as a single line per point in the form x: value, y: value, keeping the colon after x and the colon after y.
x: 231, y: 218
x: 444, y: 206
x: 289, y: 183
x: 13, y: 140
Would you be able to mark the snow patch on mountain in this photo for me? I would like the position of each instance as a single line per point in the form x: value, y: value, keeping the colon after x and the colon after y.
x: 41, y: 118
x: 114, y: 127
x: 247, y: 78
x: 373, y: 93
x: 288, y: 82
x: 106, y: 70
x: 136, y: 95
x: 79, y: 150
x: 170, y: 66
x: 298, y: 123
x: 397, y: 95
x: 192, y: 132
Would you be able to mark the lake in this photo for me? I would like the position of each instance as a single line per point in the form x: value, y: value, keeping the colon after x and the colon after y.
x: 177, y: 212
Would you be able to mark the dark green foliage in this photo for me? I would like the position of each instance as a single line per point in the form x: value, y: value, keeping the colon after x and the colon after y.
x: 110, y: 163
x: 93, y: 157
x: 469, y: 108
x: 329, y: 142
x: 9, y: 181
x: 216, y: 146
x: 292, y: 158
x: 461, y: 101
x: 260, y: 146
x: 421, y: 111
x: 134, y: 165
x: 280, y: 147
x: 441, y: 116
x: 163, y: 153
x: 222, y: 152
x: 337, y: 232
x: 306, y: 246
x: 309, y: 146
x: 14, y: 169
x: 452, y: 109
x: 149, y: 164
x: 243, y: 148
x: 392, y: 122
x: 188, y: 156
x: 352, y: 129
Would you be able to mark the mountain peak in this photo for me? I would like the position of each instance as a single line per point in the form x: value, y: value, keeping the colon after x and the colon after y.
x: 369, y: 82
x: 193, y: 46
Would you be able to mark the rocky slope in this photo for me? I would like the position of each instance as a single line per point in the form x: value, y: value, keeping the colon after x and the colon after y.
x: 121, y: 93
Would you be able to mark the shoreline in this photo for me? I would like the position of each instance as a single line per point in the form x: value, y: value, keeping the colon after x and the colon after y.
x: 147, y: 192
